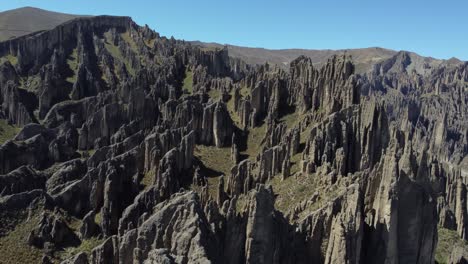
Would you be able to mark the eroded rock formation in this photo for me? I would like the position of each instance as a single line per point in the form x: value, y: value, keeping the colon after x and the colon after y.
x: 155, y: 150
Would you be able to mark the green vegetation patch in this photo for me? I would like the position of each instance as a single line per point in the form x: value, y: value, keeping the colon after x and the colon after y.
x: 7, y: 131
x: 295, y: 163
x: 30, y: 83
x: 86, y: 246
x: 12, y: 59
x: 296, y: 189
x: 117, y: 54
x: 292, y: 191
x: 244, y: 91
x: 255, y: 141
x: 87, y: 153
x: 14, y: 247
x: 242, y: 201
x: 133, y: 46
x: 214, y: 94
x: 127, y: 38
x: 216, y: 162
x: 148, y: 178
x: 448, y: 240
x: 216, y: 159
x: 150, y: 42
x: 98, y: 218
x: 72, y: 62
x: 188, y: 81
x: 292, y: 119
x: 213, y: 183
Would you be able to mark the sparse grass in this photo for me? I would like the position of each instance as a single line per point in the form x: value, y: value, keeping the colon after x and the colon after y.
x: 217, y: 162
x: 292, y: 191
x: 148, y: 179
x: 217, y: 159
x: 53, y: 168
x: 295, y: 163
x: 87, y: 153
x: 12, y: 59
x: 296, y: 189
x: 127, y: 38
x: 150, y: 42
x: 117, y: 54
x: 448, y: 240
x: 214, y: 94
x: 30, y: 83
x: 292, y: 119
x: 14, y: 247
x: 7, y: 131
x: 428, y: 95
x: 98, y: 218
x: 86, y: 246
x: 241, y: 202
x: 113, y: 50
x: 73, y: 222
x: 213, y: 183
x: 244, y: 91
x: 254, y: 141
x: 133, y: 46
x: 72, y: 62
x: 188, y: 81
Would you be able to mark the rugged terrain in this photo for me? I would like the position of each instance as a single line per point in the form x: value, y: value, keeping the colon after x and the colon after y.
x: 122, y: 146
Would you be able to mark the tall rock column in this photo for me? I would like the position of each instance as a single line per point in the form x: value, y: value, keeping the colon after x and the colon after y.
x: 259, y: 246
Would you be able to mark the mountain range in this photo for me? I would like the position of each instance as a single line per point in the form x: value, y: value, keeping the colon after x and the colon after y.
x: 27, y: 20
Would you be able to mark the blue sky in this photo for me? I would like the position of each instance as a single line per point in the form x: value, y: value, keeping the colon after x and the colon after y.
x: 430, y: 28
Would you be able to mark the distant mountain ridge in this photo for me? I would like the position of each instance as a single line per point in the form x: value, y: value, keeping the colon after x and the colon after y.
x: 26, y: 20
x: 364, y: 58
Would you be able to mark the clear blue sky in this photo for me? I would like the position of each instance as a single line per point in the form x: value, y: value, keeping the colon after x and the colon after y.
x: 430, y: 28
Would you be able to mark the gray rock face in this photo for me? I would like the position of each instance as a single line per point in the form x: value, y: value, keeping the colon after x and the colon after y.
x: 20, y: 180
x: 216, y: 125
x: 80, y: 258
x: 187, y: 239
x: 259, y: 244
x: 53, y: 230
x: 159, y: 256
x: 107, y: 252
x: 89, y: 227
x: 176, y: 161
x: 241, y: 178
x: 29, y: 131
x: 331, y: 89
x: 391, y: 217
x: 33, y: 151
x: 13, y: 106
x: 66, y: 173
x: 326, y: 229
